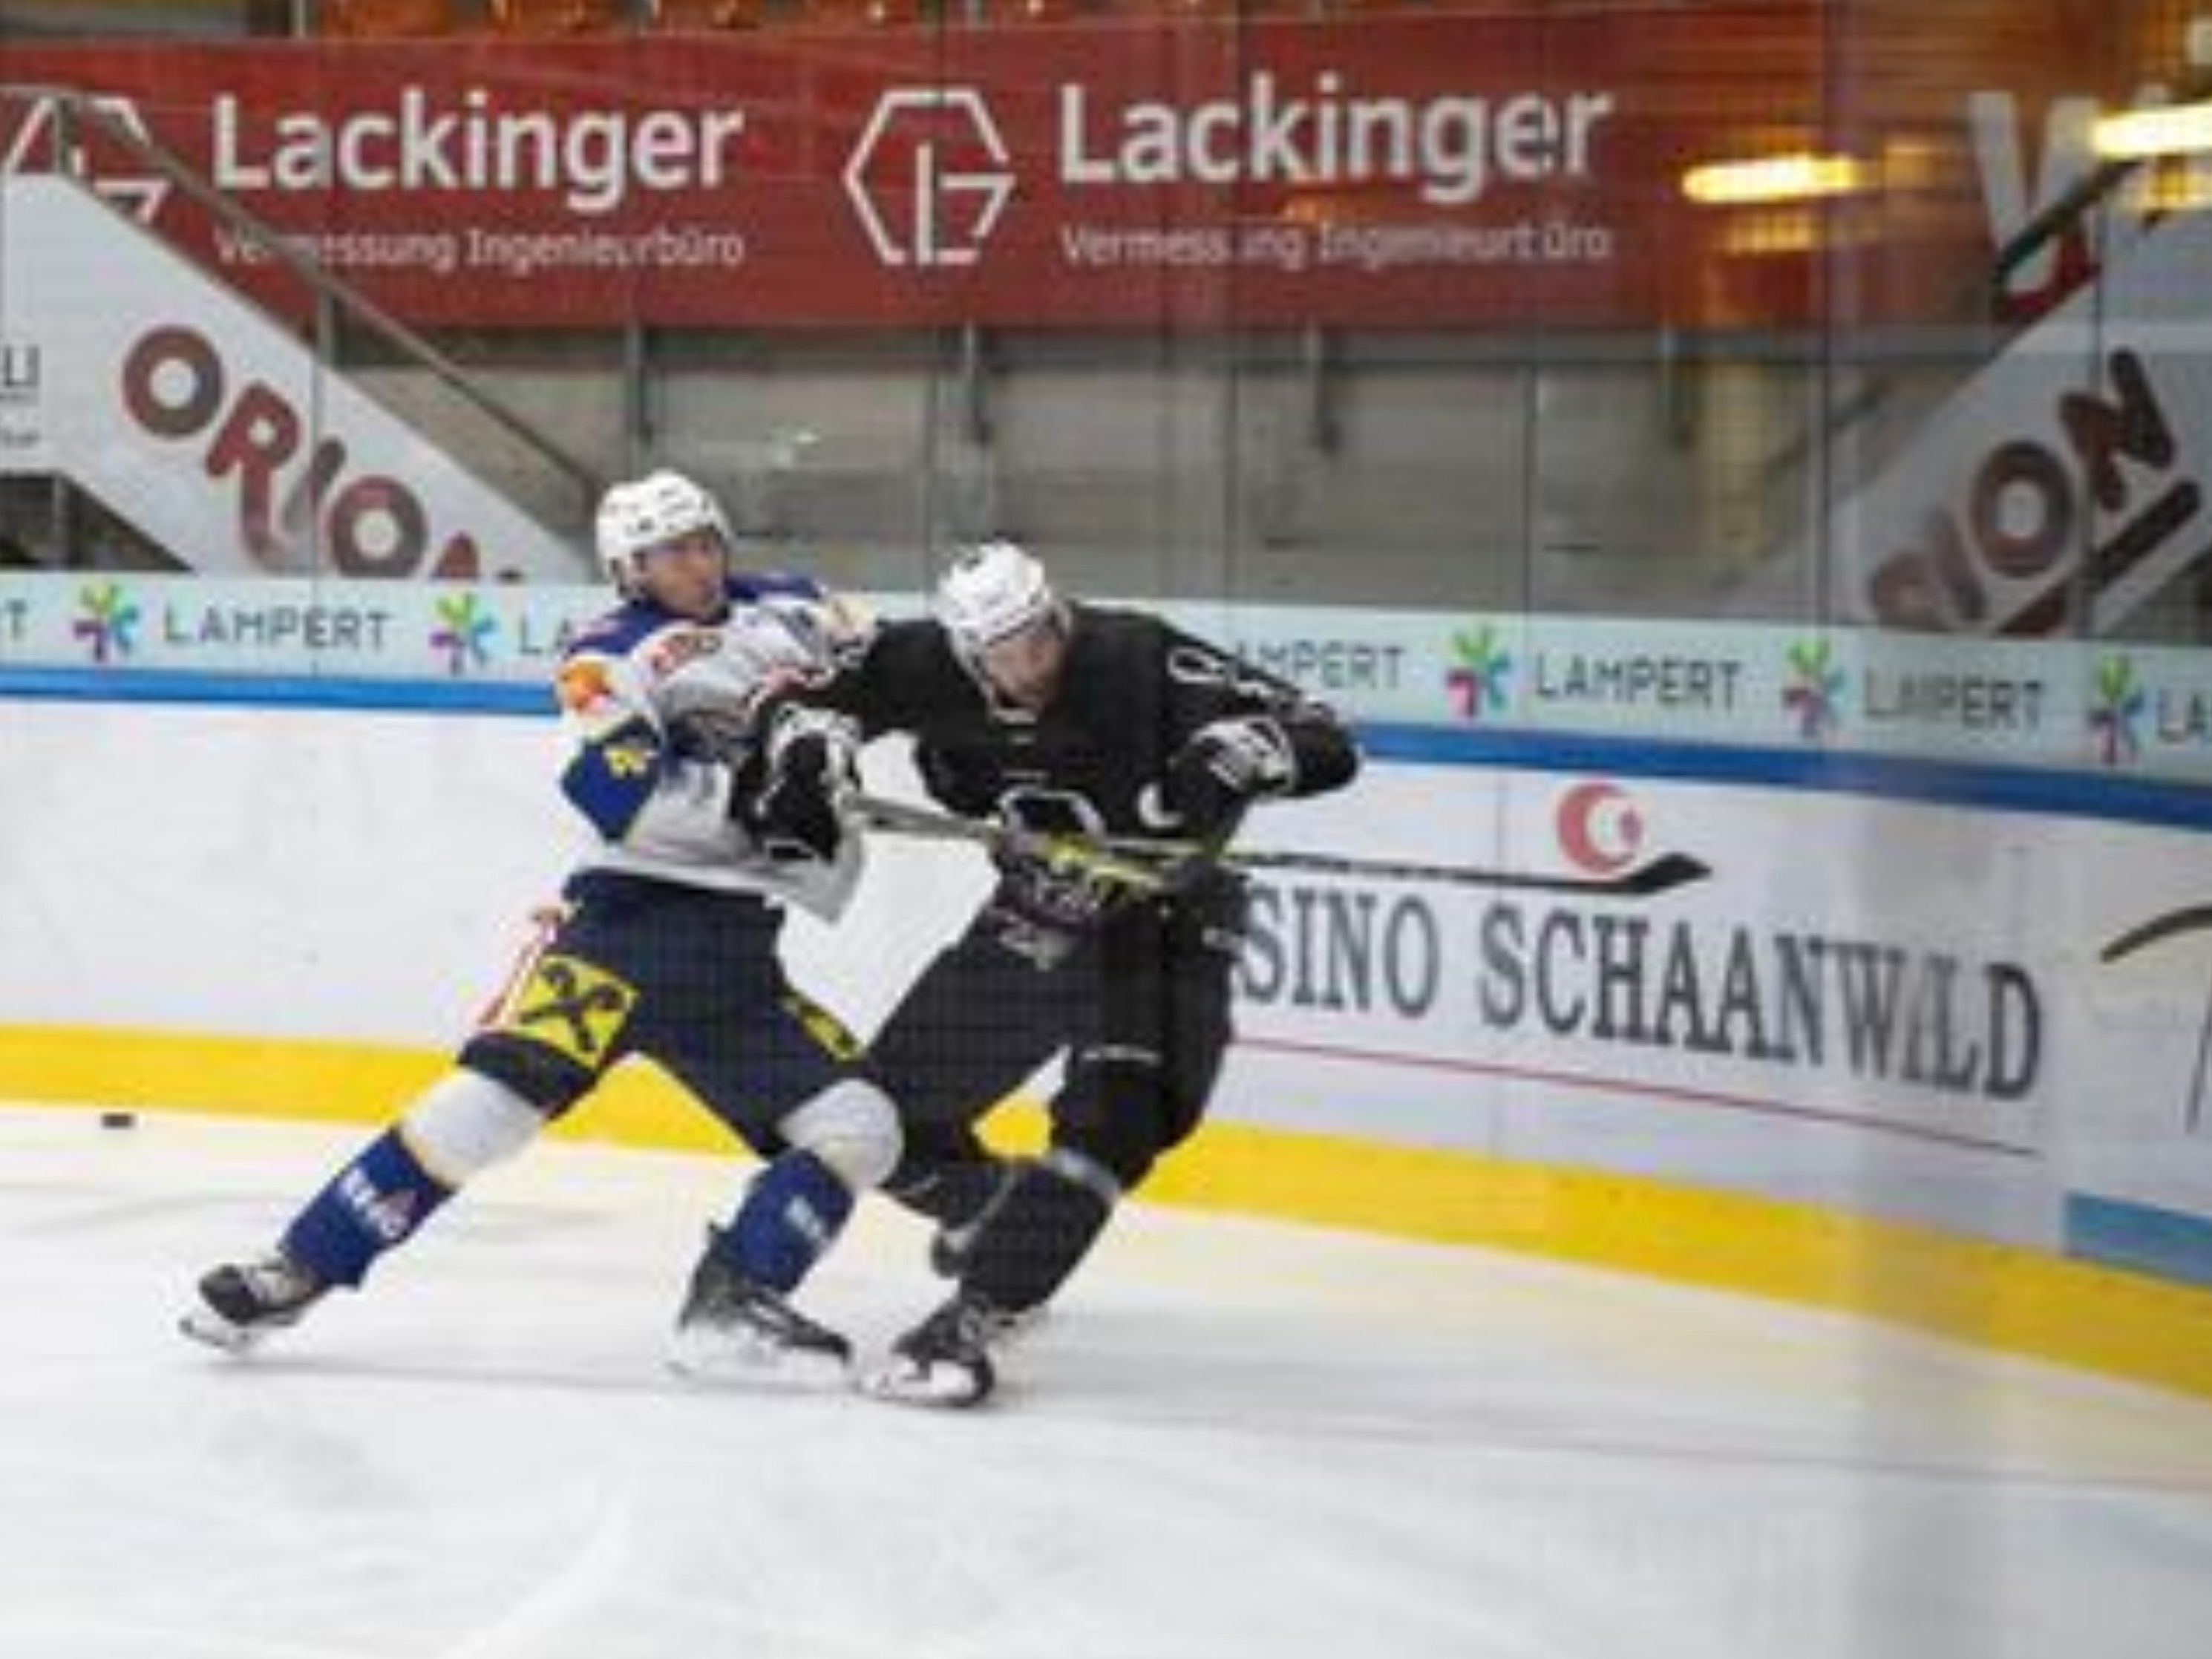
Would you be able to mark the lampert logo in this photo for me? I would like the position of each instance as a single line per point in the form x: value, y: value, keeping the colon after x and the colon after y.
x: 930, y: 176
x: 53, y: 138
x: 2116, y: 712
x: 465, y: 634
x: 1479, y: 682
x: 107, y: 621
x: 1813, y: 694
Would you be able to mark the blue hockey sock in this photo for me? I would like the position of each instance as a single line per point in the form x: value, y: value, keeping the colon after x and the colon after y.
x: 375, y: 1203
x: 793, y: 1212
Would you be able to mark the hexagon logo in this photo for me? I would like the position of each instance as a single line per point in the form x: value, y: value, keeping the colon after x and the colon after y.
x: 47, y: 140
x: 930, y: 176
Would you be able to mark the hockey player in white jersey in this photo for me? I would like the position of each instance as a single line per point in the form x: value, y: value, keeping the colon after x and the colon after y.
x: 712, y: 804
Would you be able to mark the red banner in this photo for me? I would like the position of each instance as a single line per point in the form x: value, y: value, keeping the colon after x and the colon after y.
x: 1424, y: 172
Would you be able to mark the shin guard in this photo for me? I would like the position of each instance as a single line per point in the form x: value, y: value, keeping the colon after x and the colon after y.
x: 793, y: 1213
x: 1040, y: 1229
x: 375, y: 1203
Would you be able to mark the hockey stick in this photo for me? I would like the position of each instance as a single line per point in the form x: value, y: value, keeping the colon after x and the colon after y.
x: 1152, y: 866
x: 1077, y: 854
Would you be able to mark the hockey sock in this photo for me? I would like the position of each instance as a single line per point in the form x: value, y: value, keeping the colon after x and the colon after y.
x: 1046, y: 1224
x: 375, y: 1203
x: 793, y: 1212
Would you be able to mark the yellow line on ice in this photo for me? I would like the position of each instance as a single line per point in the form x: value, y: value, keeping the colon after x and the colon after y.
x: 2020, y: 1300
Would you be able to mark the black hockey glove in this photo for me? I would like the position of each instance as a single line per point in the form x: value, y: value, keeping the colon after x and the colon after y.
x: 789, y: 797
x: 1222, y: 768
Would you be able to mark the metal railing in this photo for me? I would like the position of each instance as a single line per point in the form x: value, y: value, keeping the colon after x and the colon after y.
x: 75, y: 112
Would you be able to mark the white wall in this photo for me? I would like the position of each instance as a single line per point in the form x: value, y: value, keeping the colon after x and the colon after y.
x: 368, y: 876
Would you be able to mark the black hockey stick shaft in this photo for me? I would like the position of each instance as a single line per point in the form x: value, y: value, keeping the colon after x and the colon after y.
x: 1661, y: 874
x: 2186, y: 921
x: 1134, y: 858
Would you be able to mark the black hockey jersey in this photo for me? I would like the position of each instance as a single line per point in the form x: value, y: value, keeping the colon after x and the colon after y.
x: 1132, y: 691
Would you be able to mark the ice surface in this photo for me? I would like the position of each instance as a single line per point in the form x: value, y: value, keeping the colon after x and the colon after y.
x: 1233, y: 1441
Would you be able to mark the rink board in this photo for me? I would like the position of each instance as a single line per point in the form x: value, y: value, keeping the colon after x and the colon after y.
x: 294, y: 911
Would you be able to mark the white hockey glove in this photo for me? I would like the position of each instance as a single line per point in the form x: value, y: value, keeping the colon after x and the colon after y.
x: 790, y: 797
x: 1224, y: 767
x: 713, y: 732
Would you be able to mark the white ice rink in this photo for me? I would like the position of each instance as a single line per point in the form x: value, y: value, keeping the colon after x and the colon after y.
x: 1234, y: 1441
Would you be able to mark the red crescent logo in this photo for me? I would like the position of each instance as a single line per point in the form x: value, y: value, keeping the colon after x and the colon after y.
x: 1600, y: 828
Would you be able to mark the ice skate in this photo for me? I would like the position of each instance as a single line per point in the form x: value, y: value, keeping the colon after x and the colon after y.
x: 241, y: 1302
x: 731, y: 1327
x: 945, y: 1360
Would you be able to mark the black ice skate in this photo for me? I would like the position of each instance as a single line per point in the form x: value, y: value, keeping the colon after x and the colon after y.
x: 945, y: 1360
x: 241, y: 1302
x: 730, y: 1326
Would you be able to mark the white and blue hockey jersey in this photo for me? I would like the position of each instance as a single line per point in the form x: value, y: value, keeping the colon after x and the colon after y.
x: 634, y: 680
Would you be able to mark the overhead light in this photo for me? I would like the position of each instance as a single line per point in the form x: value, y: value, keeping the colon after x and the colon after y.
x: 1781, y: 230
x: 2163, y: 130
x: 1796, y: 178
x: 2175, y: 189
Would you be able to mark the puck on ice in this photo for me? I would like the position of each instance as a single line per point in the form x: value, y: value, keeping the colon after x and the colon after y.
x: 118, y: 1120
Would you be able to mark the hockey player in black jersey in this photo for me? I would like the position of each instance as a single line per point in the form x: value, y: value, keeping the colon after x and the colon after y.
x: 709, y: 808
x: 1063, y: 717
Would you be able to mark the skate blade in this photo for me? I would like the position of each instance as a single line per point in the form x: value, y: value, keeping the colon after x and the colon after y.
x: 757, y: 1364
x: 905, y: 1382
x: 207, y: 1327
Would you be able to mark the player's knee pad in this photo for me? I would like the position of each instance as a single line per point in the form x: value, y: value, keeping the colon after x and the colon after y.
x: 852, y: 1127
x: 1114, y: 1109
x: 1077, y: 1168
x: 465, y: 1122
x: 549, y: 1079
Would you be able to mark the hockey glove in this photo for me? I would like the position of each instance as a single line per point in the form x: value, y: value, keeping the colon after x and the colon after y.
x: 790, y: 797
x: 1222, y: 768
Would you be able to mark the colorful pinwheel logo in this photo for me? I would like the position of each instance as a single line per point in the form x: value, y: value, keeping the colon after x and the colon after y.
x: 1477, y: 685
x: 1814, y: 694
x: 466, y: 637
x: 2120, y: 705
x: 109, y: 620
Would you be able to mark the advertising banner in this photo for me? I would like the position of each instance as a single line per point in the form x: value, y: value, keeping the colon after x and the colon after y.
x: 2068, y: 486
x: 1500, y: 168
x: 2104, y: 709
x: 212, y: 428
x: 1989, y: 1023
x: 1937, y: 1014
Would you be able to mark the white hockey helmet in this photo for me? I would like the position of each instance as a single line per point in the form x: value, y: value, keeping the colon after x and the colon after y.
x: 992, y: 591
x: 647, y: 513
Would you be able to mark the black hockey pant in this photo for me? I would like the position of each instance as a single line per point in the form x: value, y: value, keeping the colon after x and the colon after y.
x: 1140, y: 1010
